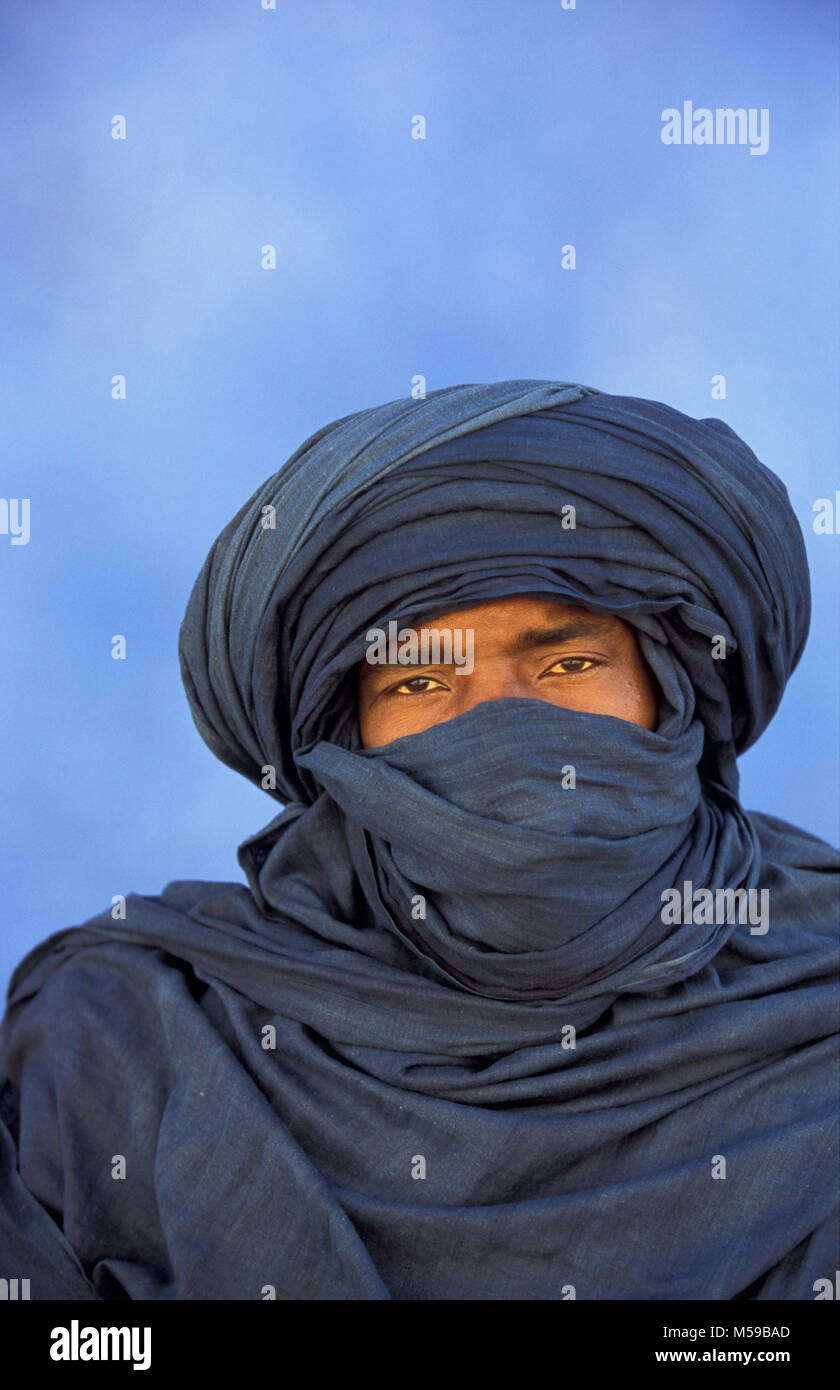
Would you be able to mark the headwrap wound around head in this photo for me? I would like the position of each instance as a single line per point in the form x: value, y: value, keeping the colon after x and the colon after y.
x: 421, y: 506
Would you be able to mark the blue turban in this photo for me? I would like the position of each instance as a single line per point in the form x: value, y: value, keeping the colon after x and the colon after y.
x: 441, y: 954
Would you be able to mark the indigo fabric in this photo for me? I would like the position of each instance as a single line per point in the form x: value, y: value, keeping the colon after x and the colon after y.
x: 444, y: 1045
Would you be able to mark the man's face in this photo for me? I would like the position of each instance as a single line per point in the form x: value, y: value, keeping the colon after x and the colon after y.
x: 526, y: 647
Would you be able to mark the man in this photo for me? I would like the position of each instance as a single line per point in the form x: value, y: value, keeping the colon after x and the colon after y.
x: 518, y: 1002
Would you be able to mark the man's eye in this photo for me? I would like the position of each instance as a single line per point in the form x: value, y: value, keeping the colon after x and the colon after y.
x: 418, y: 685
x: 573, y: 664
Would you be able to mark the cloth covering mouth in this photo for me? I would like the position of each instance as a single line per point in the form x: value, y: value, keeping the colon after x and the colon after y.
x: 528, y: 889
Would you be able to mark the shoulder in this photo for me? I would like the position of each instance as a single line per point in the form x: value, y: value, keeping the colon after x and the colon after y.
x: 118, y: 974
x: 783, y: 843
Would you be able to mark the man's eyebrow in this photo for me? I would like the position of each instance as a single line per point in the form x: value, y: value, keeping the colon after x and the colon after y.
x: 526, y: 640
x: 565, y: 632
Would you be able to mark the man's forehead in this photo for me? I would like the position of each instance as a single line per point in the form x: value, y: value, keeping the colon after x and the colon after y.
x: 503, y: 627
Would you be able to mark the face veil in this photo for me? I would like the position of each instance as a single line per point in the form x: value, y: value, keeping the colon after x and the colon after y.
x: 441, y: 951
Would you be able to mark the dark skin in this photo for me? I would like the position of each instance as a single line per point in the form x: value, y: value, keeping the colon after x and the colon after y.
x: 529, y: 648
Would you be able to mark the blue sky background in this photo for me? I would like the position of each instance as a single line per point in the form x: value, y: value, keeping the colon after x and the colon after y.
x: 395, y: 257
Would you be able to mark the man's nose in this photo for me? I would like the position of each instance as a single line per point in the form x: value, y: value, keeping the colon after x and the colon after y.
x: 500, y: 684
